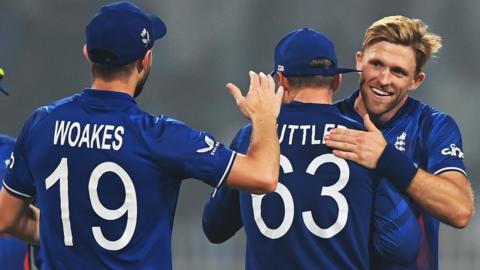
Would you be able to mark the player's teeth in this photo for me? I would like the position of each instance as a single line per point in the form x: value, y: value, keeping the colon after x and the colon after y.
x: 380, y: 92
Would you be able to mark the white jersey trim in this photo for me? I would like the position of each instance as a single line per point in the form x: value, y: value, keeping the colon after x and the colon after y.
x: 16, y: 192
x: 450, y: 169
x: 224, y: 173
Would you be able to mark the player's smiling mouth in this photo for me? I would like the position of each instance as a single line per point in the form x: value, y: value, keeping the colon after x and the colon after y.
x: 380, y: 91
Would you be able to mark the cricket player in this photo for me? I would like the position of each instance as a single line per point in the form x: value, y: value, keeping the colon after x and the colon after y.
x: 320, y: 216
x: 106, y: 175
x: 417, y: 148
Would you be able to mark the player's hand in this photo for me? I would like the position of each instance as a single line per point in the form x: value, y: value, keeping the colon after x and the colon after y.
x: 261, y: 99
x: 363, y: 147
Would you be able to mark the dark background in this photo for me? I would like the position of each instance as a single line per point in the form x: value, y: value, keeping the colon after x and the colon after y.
x: 210, y: 43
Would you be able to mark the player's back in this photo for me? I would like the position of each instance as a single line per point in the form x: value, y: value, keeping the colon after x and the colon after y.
x: 107, y: 200
x: 320, y: 215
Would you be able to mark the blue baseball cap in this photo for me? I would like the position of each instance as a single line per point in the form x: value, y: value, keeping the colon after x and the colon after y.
x: 298, y: 48
x: 2, y: 89
x: 121, y: 33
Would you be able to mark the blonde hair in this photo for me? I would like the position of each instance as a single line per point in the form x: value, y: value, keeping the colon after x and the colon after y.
x: 405, y: 31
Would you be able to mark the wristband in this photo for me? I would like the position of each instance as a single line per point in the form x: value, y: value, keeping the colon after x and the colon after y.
x: 396, y: 167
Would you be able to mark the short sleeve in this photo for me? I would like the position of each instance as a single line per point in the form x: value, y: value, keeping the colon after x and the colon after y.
x: 189, y: 153
x: 18, y: 179
x: 444, y: 146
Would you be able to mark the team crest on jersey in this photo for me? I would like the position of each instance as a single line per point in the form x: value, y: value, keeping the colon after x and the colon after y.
x: 211, y: 146
x: 400, y: 143
x: 453, y: 151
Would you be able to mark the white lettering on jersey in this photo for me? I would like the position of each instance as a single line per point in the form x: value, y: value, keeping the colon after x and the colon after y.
x: 74, y: 134
x: 453, y: 151
x: 305, y: 131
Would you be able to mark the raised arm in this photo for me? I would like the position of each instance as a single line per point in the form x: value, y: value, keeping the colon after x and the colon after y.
x: 258, y: 170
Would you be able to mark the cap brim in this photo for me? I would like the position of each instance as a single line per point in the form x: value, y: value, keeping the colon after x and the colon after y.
x: 319, y: 71
x: 3, y: 90
x: 333, y: 71
x: 158, y: 26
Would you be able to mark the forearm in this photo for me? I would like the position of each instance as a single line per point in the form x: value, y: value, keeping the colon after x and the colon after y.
x: 28, y: 228
x: 448, y: 196
x: 19, y: 218
x: 264, y: 146
x: 257, y: 171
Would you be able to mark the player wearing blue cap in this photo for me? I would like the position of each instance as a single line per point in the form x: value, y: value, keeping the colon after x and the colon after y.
x: 320, y: 216
x: 420, y: 149
x: 106, y: 175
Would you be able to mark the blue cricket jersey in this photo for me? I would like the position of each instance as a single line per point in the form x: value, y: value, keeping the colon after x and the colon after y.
x: 433, y: 141
x: 12, y: 250
x: 106, y: 177
x: 319, y: 217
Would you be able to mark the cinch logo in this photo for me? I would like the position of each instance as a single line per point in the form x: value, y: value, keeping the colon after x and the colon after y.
x: 145, y: 37
x: 210, y: 146
x: 453, y: 151
x: 400, y: 143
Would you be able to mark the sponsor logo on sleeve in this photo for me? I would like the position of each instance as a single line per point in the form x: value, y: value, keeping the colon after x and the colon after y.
x: 453, y: 151
x: 211, y: 146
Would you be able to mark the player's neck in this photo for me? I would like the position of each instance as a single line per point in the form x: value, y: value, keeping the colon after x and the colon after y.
x: 115, y: 85
x: 314, y: 95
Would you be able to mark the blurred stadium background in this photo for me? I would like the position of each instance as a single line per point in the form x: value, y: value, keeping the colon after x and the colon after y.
x: 212, y: 42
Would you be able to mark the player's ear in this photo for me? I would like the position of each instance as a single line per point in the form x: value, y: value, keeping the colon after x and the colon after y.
x: 337, y: 81
x: 85, y: 53
x: 146, y: 61
x: 282, y: 80
x: 419, y: 78
x: 358, y: 60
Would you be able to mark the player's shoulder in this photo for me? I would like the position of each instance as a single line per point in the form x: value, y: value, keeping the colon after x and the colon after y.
x: 429, y: 116
x: 6, y: 140
x: 246, y: 130
x: 43, y: 112
x: 158, y: 125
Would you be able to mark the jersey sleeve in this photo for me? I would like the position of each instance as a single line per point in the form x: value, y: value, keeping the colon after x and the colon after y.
x: 221, y: 215
x: 189, y: 153
x: 18, y: 179
x: 444, y: 146
x: 396, y: 236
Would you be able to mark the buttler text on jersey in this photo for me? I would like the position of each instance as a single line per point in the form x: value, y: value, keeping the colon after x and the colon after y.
x: 310, y: 134
x: 98, y: 136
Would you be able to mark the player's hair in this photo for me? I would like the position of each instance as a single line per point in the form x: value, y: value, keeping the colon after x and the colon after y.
x: 313, y: 80
x: 113, y: 73
x: 405, y: 31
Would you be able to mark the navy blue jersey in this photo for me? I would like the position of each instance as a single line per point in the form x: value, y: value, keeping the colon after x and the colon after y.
x: 433, y: 141
x: 319, y: 217
x: 106, y: 177
x: 12, y: 250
